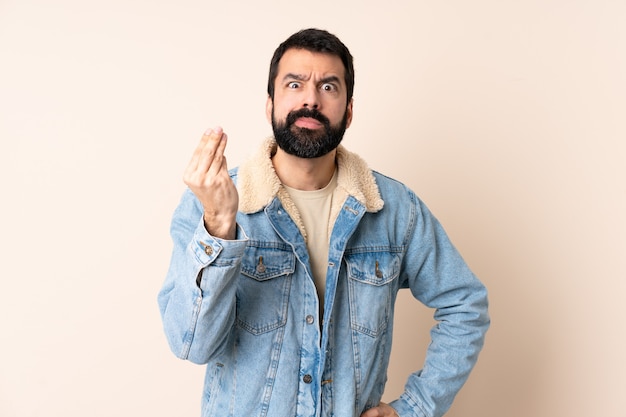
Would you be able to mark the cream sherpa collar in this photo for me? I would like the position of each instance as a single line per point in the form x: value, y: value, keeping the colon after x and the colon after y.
x: 258, y: 183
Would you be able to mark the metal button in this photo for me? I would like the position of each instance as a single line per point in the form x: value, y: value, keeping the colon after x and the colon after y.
x: 260, y: 267
x: 207, y: 249
x: 379, y: 273
x: 307, y: 379
x: 310, y: 319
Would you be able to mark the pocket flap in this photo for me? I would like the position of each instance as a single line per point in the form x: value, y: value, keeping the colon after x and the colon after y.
x: 261, y: 262
x: 374, y: 268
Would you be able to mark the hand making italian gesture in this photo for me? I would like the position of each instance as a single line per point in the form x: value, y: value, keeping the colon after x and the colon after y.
x: 207, y: 176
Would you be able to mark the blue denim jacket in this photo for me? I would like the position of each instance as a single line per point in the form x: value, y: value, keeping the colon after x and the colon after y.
x: 248, y: 308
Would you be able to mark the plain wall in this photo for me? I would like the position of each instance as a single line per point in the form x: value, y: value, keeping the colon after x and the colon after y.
x: 506, y: 117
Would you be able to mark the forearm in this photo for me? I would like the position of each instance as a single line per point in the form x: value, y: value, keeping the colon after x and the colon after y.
x: 197, y: 300
x: 456, y: 341
x: 439, y: 277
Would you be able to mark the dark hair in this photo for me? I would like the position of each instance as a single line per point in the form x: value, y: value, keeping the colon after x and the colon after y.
x: 314, y: 40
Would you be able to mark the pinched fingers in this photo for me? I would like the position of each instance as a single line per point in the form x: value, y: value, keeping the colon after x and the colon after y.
x: 208, y: 155
x: 218, y: 163
x: 207, y: 177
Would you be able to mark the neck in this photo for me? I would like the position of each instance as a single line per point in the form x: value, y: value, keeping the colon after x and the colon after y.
x: 303, y: 173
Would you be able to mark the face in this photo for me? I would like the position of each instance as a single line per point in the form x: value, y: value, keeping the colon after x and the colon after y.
x: 309, y: 113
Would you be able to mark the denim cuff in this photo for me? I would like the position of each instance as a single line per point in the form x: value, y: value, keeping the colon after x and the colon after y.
x: 207, y: 248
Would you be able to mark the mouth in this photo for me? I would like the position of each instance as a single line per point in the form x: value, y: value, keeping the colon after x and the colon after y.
x: 308, y: 123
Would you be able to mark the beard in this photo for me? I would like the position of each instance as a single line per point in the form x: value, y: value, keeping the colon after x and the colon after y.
x: 308, y: 143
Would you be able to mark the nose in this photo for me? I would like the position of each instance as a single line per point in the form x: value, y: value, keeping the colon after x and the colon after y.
x: 311, y: 99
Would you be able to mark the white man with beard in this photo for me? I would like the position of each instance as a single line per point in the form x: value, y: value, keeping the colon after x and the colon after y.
x: 285, y: 271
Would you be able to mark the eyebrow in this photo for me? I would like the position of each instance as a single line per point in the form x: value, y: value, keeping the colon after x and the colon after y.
x: 292, y: 76
x: 300, y: 77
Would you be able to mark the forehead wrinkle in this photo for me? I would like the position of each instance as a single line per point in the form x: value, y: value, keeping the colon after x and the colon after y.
x: 304, y: 65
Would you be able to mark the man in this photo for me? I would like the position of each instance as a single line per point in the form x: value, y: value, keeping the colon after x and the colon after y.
x: 285, y: 272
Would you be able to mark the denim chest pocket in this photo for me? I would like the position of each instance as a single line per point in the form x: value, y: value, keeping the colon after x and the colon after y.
x: 370, y: 288
x: 263, y: 292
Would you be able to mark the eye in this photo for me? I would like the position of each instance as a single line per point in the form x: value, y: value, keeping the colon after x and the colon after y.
x: 329, y: 87
x: 293, y: 84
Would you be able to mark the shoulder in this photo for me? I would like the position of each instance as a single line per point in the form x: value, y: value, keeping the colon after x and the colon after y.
x: 391, y: 187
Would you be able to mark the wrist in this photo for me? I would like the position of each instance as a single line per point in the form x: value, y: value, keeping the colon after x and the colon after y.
x: 226, y: 230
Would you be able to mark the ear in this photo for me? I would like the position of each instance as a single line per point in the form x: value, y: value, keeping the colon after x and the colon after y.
x: 349, y: 113
x: 269, y: 105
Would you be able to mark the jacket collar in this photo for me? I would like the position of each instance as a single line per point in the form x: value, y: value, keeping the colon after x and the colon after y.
x: 258, y: 183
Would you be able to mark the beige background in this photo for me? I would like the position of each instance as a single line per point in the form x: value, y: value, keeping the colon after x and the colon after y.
x: 506, y: 117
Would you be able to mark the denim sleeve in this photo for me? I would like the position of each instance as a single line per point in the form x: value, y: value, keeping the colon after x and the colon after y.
x: 438, y: 277
x: 197, y: 299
